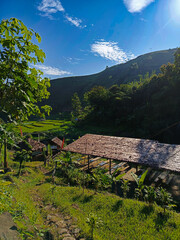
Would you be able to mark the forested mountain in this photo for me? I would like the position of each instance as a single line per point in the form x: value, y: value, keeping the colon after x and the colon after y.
x: 62, y: 89
x: 145, y: 109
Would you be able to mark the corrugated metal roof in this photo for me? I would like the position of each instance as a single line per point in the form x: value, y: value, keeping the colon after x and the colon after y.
x: 140, y: 151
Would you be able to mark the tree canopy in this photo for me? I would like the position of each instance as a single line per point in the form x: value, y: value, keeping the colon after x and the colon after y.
x: 21, y: 84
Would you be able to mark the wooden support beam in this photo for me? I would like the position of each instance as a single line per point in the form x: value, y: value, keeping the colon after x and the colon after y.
x: 109, y: 166
x: 88, y: 162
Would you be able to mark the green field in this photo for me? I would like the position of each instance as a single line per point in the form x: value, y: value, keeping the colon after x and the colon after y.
x: 62, y: 128
x: 45, y: 125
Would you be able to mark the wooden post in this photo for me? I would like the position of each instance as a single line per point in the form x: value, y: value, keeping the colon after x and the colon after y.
x: 109, y: 166
x: 5, y: 155
x: 88, y: 162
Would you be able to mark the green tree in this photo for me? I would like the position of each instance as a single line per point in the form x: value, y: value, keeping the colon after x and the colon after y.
x: 76, y: 105
x: 97, y: 97
x: 21, y: 85
x: 7, y: 136
x: 22, y: 156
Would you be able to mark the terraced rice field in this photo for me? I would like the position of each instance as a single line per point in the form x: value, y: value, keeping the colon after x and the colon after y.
x: 45, y: 125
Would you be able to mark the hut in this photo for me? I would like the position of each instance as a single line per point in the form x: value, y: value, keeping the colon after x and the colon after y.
x: 145, y: 152
x: 56, y: 144
x: 36, y: 148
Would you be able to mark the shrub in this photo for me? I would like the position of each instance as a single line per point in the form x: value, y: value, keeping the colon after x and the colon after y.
x: 22, y: 156
x: 150, y: 194
x: 94, y: 222
x: 164, y: 199
x: 125, y: 187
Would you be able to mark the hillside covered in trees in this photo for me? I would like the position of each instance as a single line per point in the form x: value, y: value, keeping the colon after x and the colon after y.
x: 148, y: 108
x: 62, y: 89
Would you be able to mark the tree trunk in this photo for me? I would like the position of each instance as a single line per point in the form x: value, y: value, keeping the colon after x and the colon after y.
x: 54, y: 171
x: 5, y: 155
x: 20, y: 166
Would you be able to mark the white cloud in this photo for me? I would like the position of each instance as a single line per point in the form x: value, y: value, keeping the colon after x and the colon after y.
x: 75, y: 21
x: 111, y: 51
x: 143, y: 19
x: 48, y: 7
x: 51, y: 70
x: 73, y: 60
x: 137, y: 5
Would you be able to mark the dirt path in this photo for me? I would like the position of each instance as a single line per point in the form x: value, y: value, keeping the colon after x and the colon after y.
x: 8, y: 229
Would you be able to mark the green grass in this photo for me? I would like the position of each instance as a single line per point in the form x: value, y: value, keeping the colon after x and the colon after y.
x: 44, y: 126
x: 62, y: 128
x: 122, y: 218
x: 16, y: 199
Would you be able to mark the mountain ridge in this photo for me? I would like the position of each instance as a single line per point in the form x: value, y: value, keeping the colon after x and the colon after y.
x: 62, y: 89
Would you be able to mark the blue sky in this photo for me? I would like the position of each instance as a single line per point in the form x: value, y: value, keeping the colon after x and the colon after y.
x: 82, y: 37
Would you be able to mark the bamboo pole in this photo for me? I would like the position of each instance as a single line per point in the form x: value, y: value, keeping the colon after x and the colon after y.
x: 109, y: 166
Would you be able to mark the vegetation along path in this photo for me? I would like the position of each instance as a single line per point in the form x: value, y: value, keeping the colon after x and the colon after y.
x: 44, y: 210
x: 61, y: 226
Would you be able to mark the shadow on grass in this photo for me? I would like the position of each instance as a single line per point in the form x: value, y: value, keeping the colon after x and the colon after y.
x: 83, y: 198
x: 161, y: 220
x: 117, y: 205
x: 147, y: 210
x: 87, y: 198
x: 48, y: 180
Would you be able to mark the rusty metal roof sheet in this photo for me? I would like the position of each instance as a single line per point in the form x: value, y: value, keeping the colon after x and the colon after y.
x: 140, y: 151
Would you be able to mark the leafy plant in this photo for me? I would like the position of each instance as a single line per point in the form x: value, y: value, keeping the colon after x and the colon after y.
x: 94, y: 222
x: 116, y: 178
x: 140, y: 184
x: 164, y: 199
x: 125, y: 187
x: 101, y: 180
x: 67, y: 158
x: 22, y: 156
x: 150, y: 194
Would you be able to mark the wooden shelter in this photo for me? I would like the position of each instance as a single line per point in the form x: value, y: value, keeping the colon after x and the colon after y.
x: 56, y: 143
x: 138, y: 151
x: 36, y: 146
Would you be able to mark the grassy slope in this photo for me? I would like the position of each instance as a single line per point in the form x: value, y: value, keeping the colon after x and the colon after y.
x: 44, y: 126
x: 62, y: 128
x: 122, y: 218
x: 62, y: 89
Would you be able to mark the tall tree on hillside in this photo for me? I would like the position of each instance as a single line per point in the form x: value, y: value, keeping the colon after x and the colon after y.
x: 76, y: 105
x: 21, y: 85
